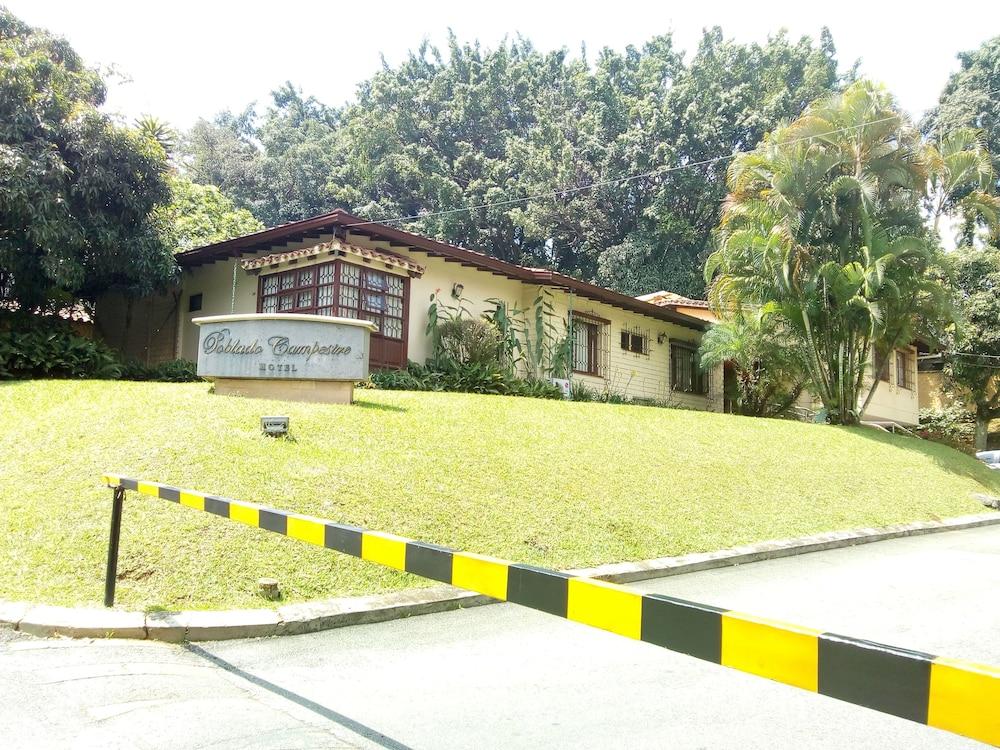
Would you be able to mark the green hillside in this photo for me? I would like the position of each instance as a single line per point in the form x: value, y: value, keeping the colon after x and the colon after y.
x: 552, y: 483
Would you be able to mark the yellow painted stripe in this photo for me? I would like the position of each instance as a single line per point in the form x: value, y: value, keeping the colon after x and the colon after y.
x: 605, y: 606
x: 384, y: 548
x: 244, y: 514
x: 776, y: 650
x: 192, y: 499
x: 486, y: 575
x: 148, y: 488
x: 111, y: 480
x: 965, y: 699
x: 307, y: 530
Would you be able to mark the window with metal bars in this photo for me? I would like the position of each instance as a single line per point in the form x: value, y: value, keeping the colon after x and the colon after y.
x: 340, y: 289
x: 589, y: 349
x: 685, y: 370
x: 635, y: 340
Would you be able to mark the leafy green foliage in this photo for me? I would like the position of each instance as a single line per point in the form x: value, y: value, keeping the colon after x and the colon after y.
x: 975, y: 366
x: 200, y: 215
x: 822, y: 229
x: 77, y: 191
x: 469, y: 341
x: 970, y: 100
x: 961, y: 183
x: 467, y: 126
x: 172, y: 371
x: 461, y: 377
x: 953, y: 425
x: 769, y: 363
x: 49, y: 349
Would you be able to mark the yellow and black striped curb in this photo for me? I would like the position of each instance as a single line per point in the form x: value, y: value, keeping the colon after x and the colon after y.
x: 957, y: 696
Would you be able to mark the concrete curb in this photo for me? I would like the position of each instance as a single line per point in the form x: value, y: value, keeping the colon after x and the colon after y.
x: 309, y: 617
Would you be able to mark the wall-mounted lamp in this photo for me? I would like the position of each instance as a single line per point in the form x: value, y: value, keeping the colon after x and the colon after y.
x: 456, y: 290
x: 660, y: 338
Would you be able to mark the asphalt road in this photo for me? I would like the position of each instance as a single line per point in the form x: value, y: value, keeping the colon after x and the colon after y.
x: 505, y: 677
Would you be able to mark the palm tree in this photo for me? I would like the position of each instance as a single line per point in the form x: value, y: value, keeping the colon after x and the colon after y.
x: 155, y: 129
x: 768, y: 364
x: 822, y: 229
x: 961, y: 182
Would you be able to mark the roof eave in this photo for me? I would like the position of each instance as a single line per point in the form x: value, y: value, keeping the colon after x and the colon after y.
x: 341, y: 219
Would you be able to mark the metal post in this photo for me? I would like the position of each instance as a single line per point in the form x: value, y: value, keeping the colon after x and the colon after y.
x: 116, y: 527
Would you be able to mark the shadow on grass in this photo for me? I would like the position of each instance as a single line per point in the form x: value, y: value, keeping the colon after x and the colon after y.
x: 379, y: 407
x: 944, y: 456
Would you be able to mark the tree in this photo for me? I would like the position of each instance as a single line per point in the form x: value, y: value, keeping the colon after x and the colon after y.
x: 768, y: 363
x: 223, y: 153
x: 77, y: 191
x: 974, y: 367
x: 543, y: 159
x: 822, y: 229
x: 971, y: 99
x: 961, y: 182
x: 724, y: 101
x: 199, y: 215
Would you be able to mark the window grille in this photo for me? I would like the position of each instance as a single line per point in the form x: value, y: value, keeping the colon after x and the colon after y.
x: 635, y: 340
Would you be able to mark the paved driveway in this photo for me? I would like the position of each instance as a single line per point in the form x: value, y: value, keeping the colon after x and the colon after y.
x: 501, y: 676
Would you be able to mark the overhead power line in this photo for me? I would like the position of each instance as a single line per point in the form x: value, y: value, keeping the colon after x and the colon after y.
x: 606, y: 183
x: 615, y: 181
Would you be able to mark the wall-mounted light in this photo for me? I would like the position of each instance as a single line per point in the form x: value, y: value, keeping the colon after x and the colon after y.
x: 456, y: 290
x: 660, y: 338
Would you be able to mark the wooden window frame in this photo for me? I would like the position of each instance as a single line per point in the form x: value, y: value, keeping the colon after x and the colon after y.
x: 906, y: 381
x: 357, y: 310
x: 597, y: 330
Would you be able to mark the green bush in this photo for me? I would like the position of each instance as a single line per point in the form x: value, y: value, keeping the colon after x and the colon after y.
x: 449, y: 375
x: 44, y: 349
x: 468, y: 341
x: 954, y: 425
x: 172, y: 371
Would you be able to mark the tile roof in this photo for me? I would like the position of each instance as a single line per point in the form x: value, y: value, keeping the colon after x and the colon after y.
x: 672, y: 299
x: 334, y: 247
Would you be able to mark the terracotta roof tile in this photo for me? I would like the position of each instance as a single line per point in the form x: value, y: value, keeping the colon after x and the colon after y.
x: 334, y: 246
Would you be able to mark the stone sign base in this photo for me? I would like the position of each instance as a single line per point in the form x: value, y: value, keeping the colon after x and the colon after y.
x: 317, y: 391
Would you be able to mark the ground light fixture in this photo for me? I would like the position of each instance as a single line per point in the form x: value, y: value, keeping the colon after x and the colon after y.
x: 274, y: 426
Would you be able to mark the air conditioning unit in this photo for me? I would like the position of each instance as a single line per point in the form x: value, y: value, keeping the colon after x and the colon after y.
x: 563, y: 384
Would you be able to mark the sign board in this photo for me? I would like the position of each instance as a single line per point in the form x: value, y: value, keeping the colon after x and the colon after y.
x: 275, y: 346
x: 274, y: 426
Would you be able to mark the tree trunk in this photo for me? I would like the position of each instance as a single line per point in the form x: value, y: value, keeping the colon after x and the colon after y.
x: 982, y: 432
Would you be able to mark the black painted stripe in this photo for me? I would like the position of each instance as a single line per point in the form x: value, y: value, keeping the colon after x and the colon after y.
x: 545, y: 590
x: 429, y: 561
x: 217, y: 505
x: 128, y: 484
x: 688, y: 627
x: 888, y: 679
x: 346, y: 539
x: 173, y: 494
x: 273, y: 521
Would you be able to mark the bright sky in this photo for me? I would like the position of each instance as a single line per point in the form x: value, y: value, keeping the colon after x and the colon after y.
x: 187, y: 59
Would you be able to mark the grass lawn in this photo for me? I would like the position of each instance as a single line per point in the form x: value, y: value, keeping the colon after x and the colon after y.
x: 550, y: 483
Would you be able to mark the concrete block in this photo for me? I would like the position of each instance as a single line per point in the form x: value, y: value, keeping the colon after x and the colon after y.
x: 11, y: 613
x: 227, y: 624
x: 166, y: 626
x: 79, y: 622
x: 357, y: 610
